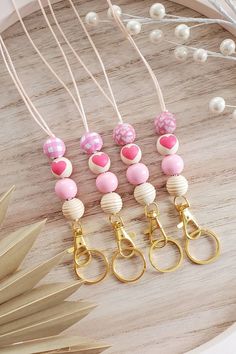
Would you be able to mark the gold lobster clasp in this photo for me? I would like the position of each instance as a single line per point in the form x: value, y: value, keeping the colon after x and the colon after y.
x: 193, y: 231
x: 84, y: 255
x: 125, y: 248
x: 152, y: 213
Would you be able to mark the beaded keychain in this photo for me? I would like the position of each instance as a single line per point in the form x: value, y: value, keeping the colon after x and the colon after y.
x: 66, y: 189
x: 99, y: 162
x: 167, y: 145
x: 137, y: 173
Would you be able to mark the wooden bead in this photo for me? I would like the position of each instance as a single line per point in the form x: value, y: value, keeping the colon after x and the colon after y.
x: 73, y: 209
x: 177, y: 186
x: 111, y: 203
x: 99, y: 162
x: 145, y: 193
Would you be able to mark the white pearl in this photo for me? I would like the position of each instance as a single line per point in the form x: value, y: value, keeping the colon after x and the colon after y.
x: 157, y: 11
x: 234, y: 114
x: 227, y: 47
x: 134, y: 27
x: 156, y: 36
x: 92, y: 18
x: 200, y: 55
x: 117, y: 10
x: 182, y: 31
x: 181, y: 53
x: 217, y: 105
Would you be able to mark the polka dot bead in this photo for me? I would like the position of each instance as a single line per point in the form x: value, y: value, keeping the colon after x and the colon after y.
x: 137, y: 174
x: 66, y: 189
x: 107, y: 182
x: 165, y: 123
x: 167, y: 144
x: 61, y: 167
x: 54, y: 148
x: 99, y: 163
x: 172, y: 165
x: 130, y: 154
x: 124, y: 134
x: 91, y: 142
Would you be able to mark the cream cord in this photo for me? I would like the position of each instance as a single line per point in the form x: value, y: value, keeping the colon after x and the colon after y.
x: 132, y: 42
x: 28, y: 102
x: 42, y: 57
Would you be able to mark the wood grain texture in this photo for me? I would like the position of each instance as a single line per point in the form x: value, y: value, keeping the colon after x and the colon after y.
x: 167, y: 314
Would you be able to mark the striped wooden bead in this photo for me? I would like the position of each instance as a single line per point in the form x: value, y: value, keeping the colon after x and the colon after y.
x: 145, y: 193
x: 111, y: 203
x: 177, y: 185
x: 73, y: 209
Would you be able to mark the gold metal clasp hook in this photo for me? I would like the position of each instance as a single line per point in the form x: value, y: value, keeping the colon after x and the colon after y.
x: 152, y: 213
x: 83, y: 255
x: 125, y: 248
x: 192, y: 230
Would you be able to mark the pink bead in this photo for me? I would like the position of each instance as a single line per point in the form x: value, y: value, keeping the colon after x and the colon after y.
x: 106, y: 182
x: 124, y: 134
x: 54, y: 148
x: 66, y: 188
x: 172, y: 165
x: 165, y: 123
x: 91, y: 142
x: 137, y: 174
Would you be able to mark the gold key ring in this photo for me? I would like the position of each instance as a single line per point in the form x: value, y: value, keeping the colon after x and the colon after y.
x: 117, y: 254
x: 215, y: 239
x: 155, y: 245
x: 78, y: 265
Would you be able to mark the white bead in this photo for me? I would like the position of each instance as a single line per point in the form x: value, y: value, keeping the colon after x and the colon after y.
x: 182, y: 31
x: 156, y: 36
x: 181, y: 53
x: 227, y: 47
x: 73, y: 209
x: 117, y: 10
x: 167, y: 144
x: 177, y: 186
x: 61, y: 167
x: 200, y: 55
x: 217, y: 105
x: 157, y: 11
x: 134, y: 27
x: 92, y: 18
x: 145, y: 193
x: 234, y: 114
x: 99, y: 162
x: 130, y: 154
x: 111, y: 203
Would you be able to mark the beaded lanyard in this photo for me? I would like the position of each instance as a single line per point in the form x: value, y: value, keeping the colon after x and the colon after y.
x: 137, y: 173
x: 99, y: 162
x: 172, y: 164
x: 66, y: 189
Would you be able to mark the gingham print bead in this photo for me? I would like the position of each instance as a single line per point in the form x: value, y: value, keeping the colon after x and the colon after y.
x: 91, y: 142
x: 165, y: 123
x: 54, y: 148
x: 124, y: 134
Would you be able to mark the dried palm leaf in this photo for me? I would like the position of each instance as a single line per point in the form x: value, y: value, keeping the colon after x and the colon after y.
x: 31, y: 316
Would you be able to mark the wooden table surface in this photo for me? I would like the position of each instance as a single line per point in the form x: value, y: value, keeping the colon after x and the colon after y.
x: 162, y: 313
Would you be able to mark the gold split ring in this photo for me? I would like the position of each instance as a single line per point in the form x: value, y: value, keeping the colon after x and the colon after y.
x: 120, y: 277
x: 89, y: 253
x: 159, y: 244
x: 208, y: 233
